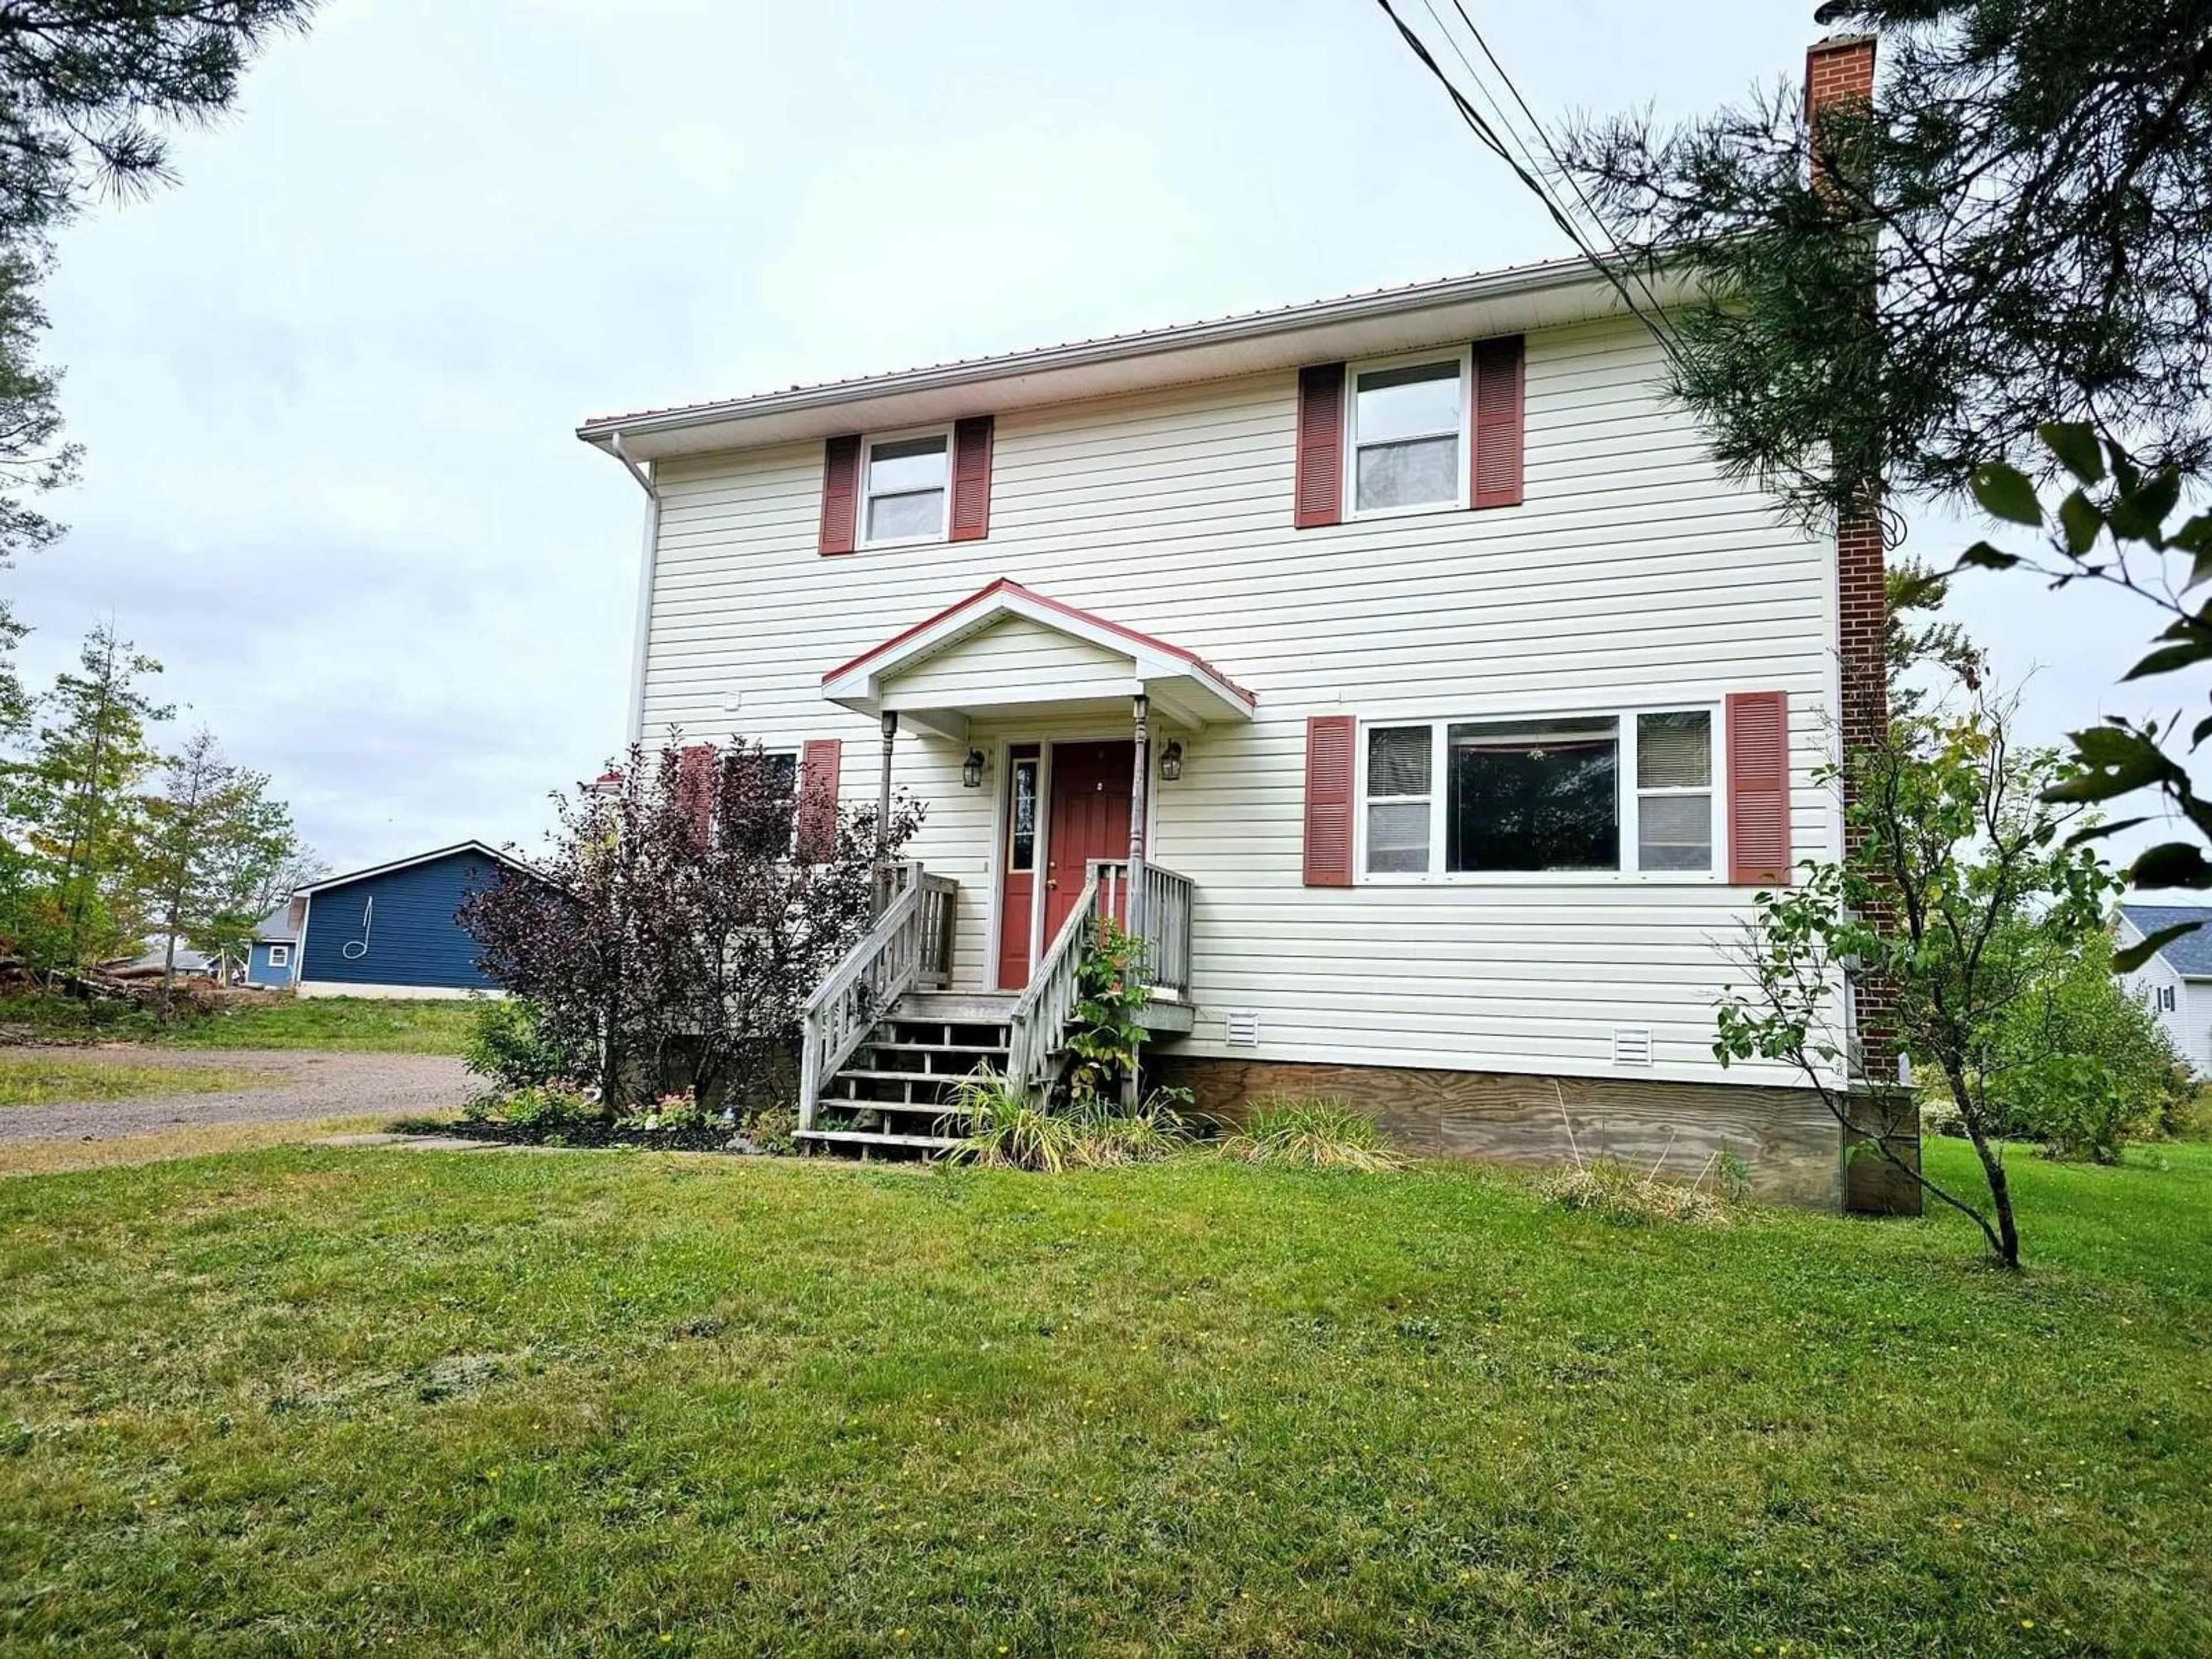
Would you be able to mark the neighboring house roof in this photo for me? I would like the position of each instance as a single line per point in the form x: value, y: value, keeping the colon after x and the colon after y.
x: 275, y: 927
x: 1374, y: 324
x: 2190, y: 956
x: 476, y: 846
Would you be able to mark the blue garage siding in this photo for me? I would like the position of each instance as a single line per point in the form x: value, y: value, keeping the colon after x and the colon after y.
x: 411, y: 938
x: 260, y: 970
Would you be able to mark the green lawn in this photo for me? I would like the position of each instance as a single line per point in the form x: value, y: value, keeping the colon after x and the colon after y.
x: 40, y: 1079
x: 383, y: 1026
x: 309, y: 1401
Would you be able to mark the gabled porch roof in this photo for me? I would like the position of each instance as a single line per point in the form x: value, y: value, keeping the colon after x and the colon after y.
x: 1008, y: 650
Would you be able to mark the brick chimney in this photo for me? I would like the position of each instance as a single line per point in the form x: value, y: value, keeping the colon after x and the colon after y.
x: 1839, y: 71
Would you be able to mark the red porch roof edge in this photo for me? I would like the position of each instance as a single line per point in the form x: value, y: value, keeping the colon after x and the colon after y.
x: 1008, y: 585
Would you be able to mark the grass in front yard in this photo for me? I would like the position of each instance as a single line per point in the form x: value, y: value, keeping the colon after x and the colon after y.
x: 428, y: 1025
x: 529, y: 1403
x: 42, y: 1079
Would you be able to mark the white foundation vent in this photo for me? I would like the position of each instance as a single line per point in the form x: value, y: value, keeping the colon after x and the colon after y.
x: 1631, y: 1045
x: 1243, y: 1029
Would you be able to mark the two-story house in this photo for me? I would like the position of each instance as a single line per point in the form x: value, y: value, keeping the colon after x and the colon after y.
x: 1401, y: 666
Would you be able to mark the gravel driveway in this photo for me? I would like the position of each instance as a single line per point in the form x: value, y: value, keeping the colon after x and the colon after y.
x: 306, y: 1086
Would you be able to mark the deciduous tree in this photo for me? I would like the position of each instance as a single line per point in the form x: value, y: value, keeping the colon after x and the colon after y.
x: 1986, y: 899
x: 673, y: 935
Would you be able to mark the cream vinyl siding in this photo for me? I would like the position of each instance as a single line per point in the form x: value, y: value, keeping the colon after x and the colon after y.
x: 1003, y: 661
x: 1633, y: 576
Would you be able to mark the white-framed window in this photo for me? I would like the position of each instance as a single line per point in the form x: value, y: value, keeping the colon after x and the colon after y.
x: 2165, y: 998
x: 280, y: 955
x: 906, y: 487
x: 1406, y: 442
x: 1576, y: 795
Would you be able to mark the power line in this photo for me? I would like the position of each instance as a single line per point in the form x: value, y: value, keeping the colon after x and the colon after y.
x: 1559, y: 166
x: 1485, y: 131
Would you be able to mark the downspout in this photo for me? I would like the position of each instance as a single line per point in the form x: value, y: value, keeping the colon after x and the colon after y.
x: 648, y: 562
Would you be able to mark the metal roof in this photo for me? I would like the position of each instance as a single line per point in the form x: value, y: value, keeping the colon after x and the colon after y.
x: 1506, y: 301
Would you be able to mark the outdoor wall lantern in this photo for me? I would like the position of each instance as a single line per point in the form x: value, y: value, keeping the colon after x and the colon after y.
x: 971, y: 770
x: 1171, y: 761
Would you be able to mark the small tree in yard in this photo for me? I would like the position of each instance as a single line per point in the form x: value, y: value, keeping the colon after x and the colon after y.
x: 1961, y: 895
x: 674, y: 938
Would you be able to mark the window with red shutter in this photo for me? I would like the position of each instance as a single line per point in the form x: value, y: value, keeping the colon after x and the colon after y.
x: 1331, y: 743
x: 1499, y: 396
x: 841, y: 487
x: 1758, y: 788
x: 972, y: 479
x: 819, y: 760
x: 1320, y: 488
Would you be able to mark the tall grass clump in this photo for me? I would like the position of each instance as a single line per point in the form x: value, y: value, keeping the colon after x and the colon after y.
x: 1002, y: 1127
x: 1107, y: 1136
x: 1311, y: 1134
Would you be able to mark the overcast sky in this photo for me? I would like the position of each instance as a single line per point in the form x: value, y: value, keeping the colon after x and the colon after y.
x: 327, y: 384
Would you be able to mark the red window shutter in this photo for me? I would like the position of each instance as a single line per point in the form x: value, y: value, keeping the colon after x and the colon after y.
x: 1321, y: 446
x: 695, y: 790
x: 1758, y: 788
x: 1497, y: 404
x: 972, y: 479
x: 1331, y: 743
x: 840, y: 492
x: 818, y: 761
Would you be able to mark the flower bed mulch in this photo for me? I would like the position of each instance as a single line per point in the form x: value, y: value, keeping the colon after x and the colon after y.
x: 708, y: 1137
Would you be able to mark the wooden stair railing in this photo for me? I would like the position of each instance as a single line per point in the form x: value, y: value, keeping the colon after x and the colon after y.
x: 1047, y: 1002
x: 910, y: 947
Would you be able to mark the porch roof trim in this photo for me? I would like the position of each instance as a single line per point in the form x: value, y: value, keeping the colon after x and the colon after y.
x: 860, y: 684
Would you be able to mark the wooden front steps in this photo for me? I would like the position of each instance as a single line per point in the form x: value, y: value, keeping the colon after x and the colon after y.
x: 896, y: 1087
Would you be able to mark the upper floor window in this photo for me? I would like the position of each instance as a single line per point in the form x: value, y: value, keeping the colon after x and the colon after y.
x: 905, y: 487
x: 1408, y: 435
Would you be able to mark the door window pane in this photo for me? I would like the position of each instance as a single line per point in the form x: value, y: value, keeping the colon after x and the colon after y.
x: 1534, y: 795
x: 1023, y: 855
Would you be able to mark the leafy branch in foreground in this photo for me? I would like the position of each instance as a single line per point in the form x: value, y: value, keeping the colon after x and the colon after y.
x: 2116, y: 527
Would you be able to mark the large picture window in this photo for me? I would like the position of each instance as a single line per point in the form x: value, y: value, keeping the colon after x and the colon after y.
x: 1628, y: 792
x: 1408, y: 437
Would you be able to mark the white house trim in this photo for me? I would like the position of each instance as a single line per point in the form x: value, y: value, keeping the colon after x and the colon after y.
x: 1183, y: 687
x: 352, y: 876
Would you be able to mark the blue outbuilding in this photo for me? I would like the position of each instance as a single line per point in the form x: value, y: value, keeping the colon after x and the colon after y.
x: 390, y: 930
x: 273, y: 959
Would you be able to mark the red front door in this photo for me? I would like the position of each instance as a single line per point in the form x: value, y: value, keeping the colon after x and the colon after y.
x: 1090, y: 820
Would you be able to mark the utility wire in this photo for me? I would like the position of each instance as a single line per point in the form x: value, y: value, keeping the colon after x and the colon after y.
x: 1551, y: 150
x: 1485, y: 131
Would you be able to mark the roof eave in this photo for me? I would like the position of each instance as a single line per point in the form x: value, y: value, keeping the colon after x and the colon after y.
x: 1529, y: 281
